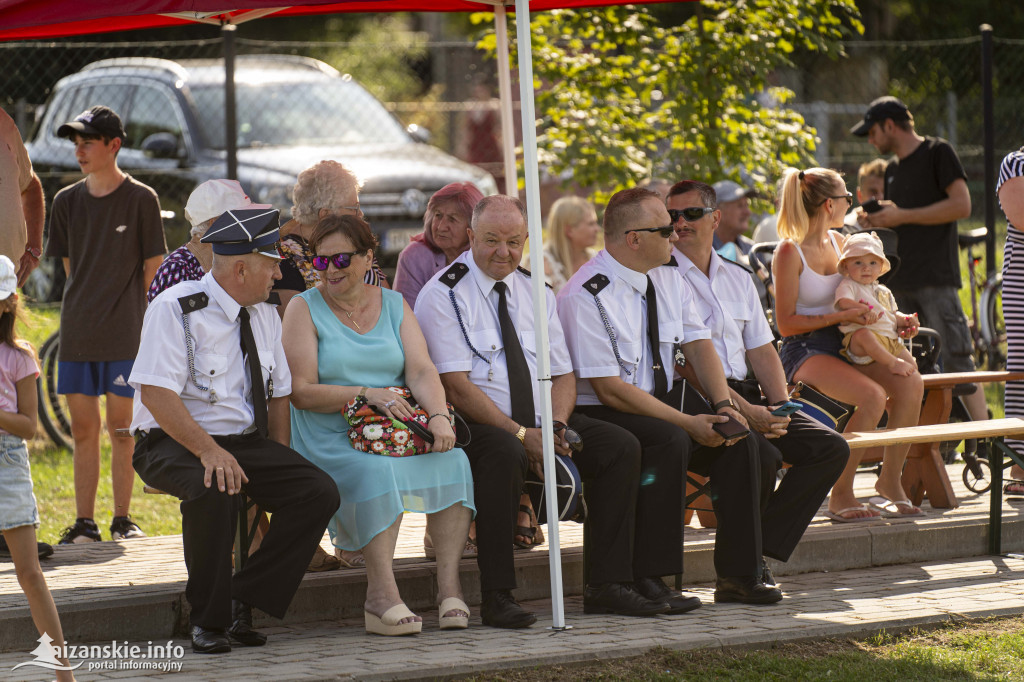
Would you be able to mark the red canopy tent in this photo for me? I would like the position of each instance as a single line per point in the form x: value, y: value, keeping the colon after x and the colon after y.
x: 28, y: 19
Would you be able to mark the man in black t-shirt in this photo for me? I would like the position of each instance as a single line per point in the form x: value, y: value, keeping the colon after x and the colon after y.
x: 925, y: 194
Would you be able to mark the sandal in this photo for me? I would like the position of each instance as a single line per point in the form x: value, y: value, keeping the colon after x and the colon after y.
x: 387, y: 624
x: 469, y: 551
x: 322, y: 561
x: 1014, y: 488
x: 453, y: 622
x: 533, y: 532
x: 355, y: 559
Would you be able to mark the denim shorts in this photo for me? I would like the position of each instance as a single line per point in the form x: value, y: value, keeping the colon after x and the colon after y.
x: 17, y: 503
x: 95, y: 378
x: 797, y: 348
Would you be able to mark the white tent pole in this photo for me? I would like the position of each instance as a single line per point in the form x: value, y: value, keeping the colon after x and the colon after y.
x: 540, y: 308
x: 508, y: 136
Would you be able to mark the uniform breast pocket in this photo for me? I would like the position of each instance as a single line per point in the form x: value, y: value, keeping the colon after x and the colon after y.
x: 737, y: 312
x: 268, y: 363
x: 211, y: 375
x: 629, y: 354
x: 530, y: 343
x: 486, y: 342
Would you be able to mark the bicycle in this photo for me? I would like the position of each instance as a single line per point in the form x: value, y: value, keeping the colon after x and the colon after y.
x: 52, y: 407
x: 988, y: 330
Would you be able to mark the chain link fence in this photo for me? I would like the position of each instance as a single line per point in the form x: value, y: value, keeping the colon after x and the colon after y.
x: 374, y: 112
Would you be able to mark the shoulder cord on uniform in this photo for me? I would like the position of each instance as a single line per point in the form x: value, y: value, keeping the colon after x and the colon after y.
x: 462, y: 326
x: 611, y: 335
x: 189, y: 341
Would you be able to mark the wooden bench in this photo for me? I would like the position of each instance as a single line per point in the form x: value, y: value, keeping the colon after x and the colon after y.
x: 925, y: 472
x: 991, y: 430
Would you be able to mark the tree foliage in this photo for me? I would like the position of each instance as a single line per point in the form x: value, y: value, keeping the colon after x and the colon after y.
x: 621, y: 97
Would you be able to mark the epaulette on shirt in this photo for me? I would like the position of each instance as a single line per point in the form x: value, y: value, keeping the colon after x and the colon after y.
x: 193, y: 302
x: 596, y: 283
x: 526, y: 272
x: 454, y: 274
x: 739, y: 265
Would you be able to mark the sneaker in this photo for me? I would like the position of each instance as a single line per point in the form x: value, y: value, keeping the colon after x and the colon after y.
x: 84, y: 530
x: 123, y: 528
x: 44, y: 549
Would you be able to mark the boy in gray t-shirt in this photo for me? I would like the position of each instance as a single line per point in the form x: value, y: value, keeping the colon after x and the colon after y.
x: 107, y: 230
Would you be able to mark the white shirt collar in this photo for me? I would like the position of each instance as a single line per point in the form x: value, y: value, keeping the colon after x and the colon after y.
x: 686, y: 265
x: 224, y: 300
x: 637, y: 280
x: 484, y: 281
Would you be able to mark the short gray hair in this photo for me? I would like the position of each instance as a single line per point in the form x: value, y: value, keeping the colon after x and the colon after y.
x: 318, y: 187
x: 497, y: 200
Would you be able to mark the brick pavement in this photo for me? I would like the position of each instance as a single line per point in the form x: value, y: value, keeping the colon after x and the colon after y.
x: 846, y: 604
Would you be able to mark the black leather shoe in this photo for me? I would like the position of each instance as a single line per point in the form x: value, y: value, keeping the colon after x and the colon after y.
x: 767, y: 577
x: 241, y: 628
x: 620, y: 599
x: 656, y: 590
x: 499, y: 609
x: 209, y: 641
x: 747, y: 590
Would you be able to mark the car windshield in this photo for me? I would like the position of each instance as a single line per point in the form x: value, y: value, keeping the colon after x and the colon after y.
x: 321, y: 112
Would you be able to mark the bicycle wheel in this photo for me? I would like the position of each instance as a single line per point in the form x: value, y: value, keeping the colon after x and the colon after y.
x: 52, y: 408
x: 993, y: 328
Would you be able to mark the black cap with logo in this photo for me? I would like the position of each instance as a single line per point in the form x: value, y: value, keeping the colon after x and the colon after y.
x: 98, y: 120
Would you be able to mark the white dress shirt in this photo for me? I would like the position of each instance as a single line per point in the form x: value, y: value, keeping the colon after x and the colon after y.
x: 225, y: 406
x: 478, y: 307
x: 727, y: 302
x: 624, y: 303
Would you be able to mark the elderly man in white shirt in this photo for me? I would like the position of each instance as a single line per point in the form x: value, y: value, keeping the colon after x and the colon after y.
x: 477, y: 317
x: 728, y: 304
x: 625, y: 316
x: 211, y: 420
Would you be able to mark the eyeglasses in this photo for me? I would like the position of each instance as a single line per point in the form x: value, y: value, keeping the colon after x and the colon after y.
x: 848, y: 196
x: 340, y: 260
x: 572, y: 439
x: 665, y: 232
x: 691, y: 213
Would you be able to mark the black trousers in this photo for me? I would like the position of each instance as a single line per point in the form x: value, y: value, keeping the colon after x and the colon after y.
x: 763, y: 520
x: 300, y: 497
x: 664, y: 454
x: 609, y: 465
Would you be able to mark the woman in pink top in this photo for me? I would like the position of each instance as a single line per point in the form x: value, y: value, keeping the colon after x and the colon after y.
x: 443, y: 239
x: 805, y: 270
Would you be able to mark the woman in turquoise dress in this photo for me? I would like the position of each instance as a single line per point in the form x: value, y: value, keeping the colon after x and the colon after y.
x: 344, y: 338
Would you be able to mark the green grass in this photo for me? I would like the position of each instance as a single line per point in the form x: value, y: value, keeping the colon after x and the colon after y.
x: 989, y: 650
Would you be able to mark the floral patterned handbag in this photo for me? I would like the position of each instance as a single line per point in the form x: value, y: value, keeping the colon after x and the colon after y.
x: 379, y: 434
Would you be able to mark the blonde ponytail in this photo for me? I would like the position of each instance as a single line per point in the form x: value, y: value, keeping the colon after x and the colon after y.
x: 803, y: 195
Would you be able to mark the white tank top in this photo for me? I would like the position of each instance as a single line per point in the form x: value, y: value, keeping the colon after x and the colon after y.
x: 816, y: 295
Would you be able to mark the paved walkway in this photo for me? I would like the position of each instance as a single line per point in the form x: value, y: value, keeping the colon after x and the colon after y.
x: 847, y: 604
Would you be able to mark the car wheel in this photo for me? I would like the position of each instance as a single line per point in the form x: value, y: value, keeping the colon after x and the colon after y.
x: 46, y: 283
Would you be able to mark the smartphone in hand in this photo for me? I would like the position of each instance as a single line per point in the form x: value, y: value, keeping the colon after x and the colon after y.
x: 871, y: 205
x: 730, y: 429
x: 786, y: 409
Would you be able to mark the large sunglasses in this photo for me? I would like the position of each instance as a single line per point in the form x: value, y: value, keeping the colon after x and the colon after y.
x: 340, y: 260
x: 691, y: 213
x: 665, y: 232
x: 572, y: 438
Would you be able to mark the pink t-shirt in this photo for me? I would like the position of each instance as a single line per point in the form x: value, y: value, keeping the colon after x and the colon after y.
x: 14, y: 366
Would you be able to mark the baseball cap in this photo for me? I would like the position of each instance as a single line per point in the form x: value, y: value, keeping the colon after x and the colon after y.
x: 98, y: 120
x: 879, y: 110
x: 727, y: 190
x: 213, y: 197
x: 862, y: 244
x: 8, y: 278
x: 245, y: 230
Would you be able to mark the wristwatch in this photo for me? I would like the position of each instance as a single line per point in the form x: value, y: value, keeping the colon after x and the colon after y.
x: 36, y: 252
x: 521, y: 435
x: 725, y: 403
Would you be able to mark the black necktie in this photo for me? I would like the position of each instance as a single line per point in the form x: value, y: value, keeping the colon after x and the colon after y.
x: 660, y: 380
x: 259, y: 396
x: 520, y: 384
